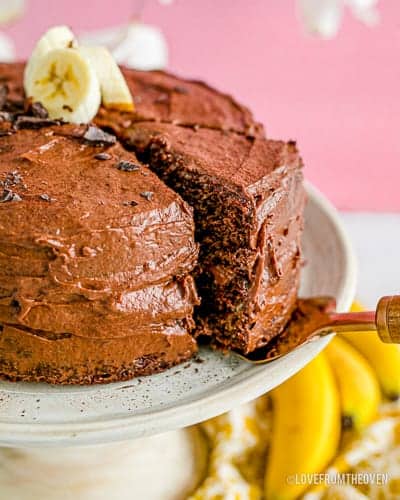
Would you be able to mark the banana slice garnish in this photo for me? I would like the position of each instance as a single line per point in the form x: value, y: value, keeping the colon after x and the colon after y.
x: 114, y: 90
x: 71, y: 81
x: 57, y: 37
x: 66, y: 84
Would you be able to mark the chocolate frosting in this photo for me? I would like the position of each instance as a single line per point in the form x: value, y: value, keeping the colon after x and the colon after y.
x: 91, y: 247
x: 102, y: 252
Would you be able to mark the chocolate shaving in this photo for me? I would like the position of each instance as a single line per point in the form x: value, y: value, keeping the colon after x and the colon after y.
x: 103, y: 156
x: 16, y: 106
x: 37, y: 109
x: 131, y: 203
x: 45, y: 197
x: 13, y: 179
x: 34, y: 122
x: 148, y: 195
x: 3, y: 94
x: 128, y: 166
x: 9, y: 195
x: 98, y: 136
x: 5, y: 116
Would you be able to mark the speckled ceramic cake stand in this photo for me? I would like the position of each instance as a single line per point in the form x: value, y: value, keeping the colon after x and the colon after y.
x: 42, y: 416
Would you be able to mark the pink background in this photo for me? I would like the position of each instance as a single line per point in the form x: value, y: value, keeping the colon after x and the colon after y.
x: 339, y: 99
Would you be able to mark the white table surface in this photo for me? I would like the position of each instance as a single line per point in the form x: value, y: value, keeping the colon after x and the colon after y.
x: 376, y: 240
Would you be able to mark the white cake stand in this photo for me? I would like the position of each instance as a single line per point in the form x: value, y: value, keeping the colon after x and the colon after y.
x: 42, y: 416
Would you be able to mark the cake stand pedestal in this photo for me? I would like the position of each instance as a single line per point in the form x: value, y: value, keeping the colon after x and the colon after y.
x: 137, y: 426
x: 167, y: 466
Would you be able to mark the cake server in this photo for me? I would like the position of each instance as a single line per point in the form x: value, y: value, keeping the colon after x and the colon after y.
x: 315, y: 318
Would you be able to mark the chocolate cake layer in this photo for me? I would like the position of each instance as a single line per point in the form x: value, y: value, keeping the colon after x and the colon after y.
x: 248, y: 200
x: 94, y: 248
x: 34, y: 356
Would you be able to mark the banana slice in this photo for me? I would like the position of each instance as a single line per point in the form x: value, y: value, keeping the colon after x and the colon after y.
x: 65, y: 83
x: 58, y: 37
x: 114, y: 90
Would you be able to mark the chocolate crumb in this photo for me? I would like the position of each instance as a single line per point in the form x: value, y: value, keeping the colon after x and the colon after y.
x: 103, y: 156
x: 45, y: 197
x: 37, y: 109
x: 181, y: 90
x: 128, y: 166
x: 131, y: 203
x: 5, y: 116
x: 98, y: 136
x: 9, y: 195
x: 148, y: 195
x: 13, y: 179
x: 67, y: 108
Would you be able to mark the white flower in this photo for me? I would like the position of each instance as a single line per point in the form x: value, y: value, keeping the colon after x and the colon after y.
x: 11, y: 10
x: 323, y: 17
x: 136, y: 45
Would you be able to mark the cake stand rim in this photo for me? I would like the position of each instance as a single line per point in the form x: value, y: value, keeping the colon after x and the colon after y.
x: 190, y: 413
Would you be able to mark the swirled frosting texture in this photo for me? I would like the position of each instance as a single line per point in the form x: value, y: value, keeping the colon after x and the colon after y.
x: 95, y: 256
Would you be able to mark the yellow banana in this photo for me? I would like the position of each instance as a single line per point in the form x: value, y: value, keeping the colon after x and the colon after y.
x: 384, y: 358
x: 359, y: 389
x: 306, y: 429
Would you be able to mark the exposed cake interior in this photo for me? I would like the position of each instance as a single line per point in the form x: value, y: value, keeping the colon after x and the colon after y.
x: 248, y: 200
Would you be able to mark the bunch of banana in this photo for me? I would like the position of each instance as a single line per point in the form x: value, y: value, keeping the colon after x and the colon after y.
x: 384, y: 359
x: 71, y: 81
x: 340, y: 389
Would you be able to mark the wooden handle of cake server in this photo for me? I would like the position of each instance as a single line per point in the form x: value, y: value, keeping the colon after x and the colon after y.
x: 388, y: 319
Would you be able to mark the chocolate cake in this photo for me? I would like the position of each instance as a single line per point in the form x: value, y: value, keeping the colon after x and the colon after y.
x: 247, y: 198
